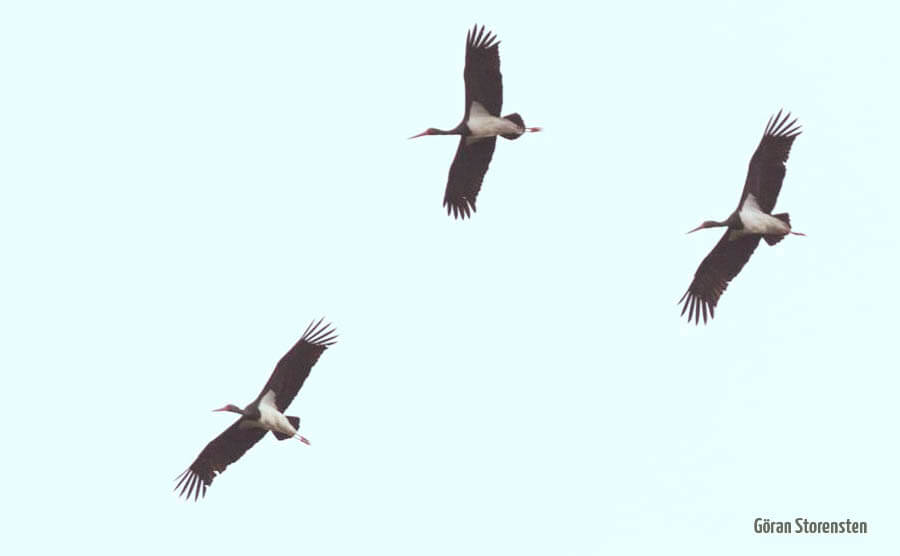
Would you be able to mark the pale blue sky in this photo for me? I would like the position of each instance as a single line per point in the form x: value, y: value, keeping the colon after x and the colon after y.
x: 186, y: 184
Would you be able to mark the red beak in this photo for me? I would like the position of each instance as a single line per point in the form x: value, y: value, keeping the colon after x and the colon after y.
x: 700, y: 227
x: 419, y: 135
x: 222, y: 409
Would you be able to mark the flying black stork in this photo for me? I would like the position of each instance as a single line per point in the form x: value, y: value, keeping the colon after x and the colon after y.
x: 265, y: 413
x: 481, y: 123
x: 751, y: 221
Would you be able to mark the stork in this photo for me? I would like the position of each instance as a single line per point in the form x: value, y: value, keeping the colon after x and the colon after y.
x: 481, y: 123
x: 264, y: 414
x: 751, y: 221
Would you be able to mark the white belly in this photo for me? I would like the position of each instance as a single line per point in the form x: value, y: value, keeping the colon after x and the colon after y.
x: 756, y: 221
x: 483, y: 124
x: 271, y: 419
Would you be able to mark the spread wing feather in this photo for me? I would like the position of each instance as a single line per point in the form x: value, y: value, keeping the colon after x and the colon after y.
x: 722, y: 264
x: 767, y: 167
x: 221, y: 452
x: 293, y: 368
x: 482, y: 77
x: 466, y: 175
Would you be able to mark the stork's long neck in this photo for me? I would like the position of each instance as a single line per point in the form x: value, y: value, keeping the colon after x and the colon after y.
x: 231, y: 408
x: 733, y: 221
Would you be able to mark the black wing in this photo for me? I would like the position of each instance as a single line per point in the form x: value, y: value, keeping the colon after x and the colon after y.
x: 295, y: 365
x: 722, y: 264
x: 224, y: 450
x: 766, y: 172
x: 482, y: 74
x: 466, y: 174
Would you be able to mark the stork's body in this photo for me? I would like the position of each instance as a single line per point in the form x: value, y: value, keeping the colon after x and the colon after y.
x: 271, y: 419
x: 751, y: 221
x: 754, y: 220
x: 262, y: 415
x: 481, y: 123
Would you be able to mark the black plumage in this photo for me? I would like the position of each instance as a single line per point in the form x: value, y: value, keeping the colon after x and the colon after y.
x: 484, y: 94
x: 285, y: 381
x: 466, y: 176
x: 765, y: 176
x: 484, y: 84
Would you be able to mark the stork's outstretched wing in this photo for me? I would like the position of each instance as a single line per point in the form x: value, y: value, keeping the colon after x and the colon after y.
x: 484, y: 83
x: 722, y: 264
x: 293, y: 368
x: 221, y: 452
x: 767, y: 167
x: 467, y: 174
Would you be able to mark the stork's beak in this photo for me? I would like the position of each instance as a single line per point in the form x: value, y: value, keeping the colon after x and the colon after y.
x: 700, y: 227
x: 419, y: 135
x: 221, y: 409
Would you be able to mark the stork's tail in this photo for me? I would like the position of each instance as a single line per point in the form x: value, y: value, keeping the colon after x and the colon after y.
x: 294, y: 421
x: 784, y: 217
x: 773, y: 239
x: 517, y: 119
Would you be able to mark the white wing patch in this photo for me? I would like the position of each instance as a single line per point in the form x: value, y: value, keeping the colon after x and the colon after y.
x: 478, y: 111
x: 268, y: 399
x: 750, y: 203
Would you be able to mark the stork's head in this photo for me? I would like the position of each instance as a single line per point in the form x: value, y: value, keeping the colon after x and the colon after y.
x: 708, y: 224
x: 429, y: 131
x: 232, y: 408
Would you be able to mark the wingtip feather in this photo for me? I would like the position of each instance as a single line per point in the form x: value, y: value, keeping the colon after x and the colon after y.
x: 779, y: 126
x: 319, y: 335
x: 481, y: 38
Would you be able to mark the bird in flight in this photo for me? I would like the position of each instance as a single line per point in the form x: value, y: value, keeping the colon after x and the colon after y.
x: 481, y: 123
x: 264, y: 414
x: 748, y: 224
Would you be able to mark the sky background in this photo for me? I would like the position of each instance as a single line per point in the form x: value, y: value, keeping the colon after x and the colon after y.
x: 185, y: 185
